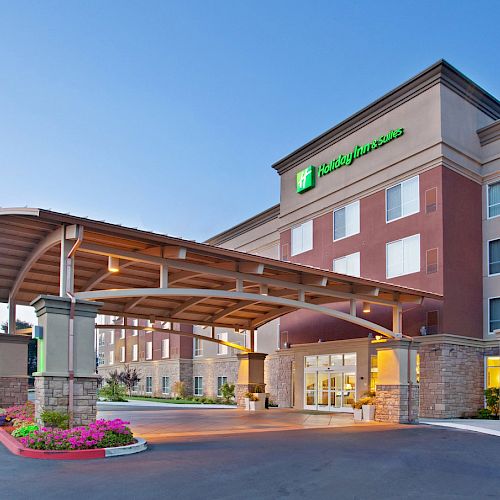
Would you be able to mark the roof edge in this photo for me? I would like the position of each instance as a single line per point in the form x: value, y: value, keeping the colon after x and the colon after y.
x: 489, y: 134
x: 441, y: 71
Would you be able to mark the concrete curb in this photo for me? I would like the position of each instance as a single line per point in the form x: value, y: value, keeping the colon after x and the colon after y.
x: 16, y: 448
x: 464, y: 427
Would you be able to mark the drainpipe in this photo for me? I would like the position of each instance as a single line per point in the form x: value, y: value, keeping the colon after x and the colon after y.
x: 71, y: 332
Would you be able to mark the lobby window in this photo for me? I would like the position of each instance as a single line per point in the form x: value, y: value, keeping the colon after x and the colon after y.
x: 402, y: 199
x: 494, y: 257
x: 165, y: 385
x: 222, y: 349
x: 302, y: 238
x: 135, y: 349
x: 149, y: 350
x: 403, y: 256
x: 492, y: 371
x: 197, y: 347
x: 346, y: 221
x: 198, y: 386
x: 149, y: 384
x: 111, y: 357
x: 349, y: 264
x: 122, y: 354
x: 494, y: 200
x: 220, y: 382
x: 165, y: 348
x: 494, y: 314
x: 373, y: 372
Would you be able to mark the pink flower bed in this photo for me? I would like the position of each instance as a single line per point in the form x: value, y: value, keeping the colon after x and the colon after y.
x: 21, y: 415
x: 100, y: 434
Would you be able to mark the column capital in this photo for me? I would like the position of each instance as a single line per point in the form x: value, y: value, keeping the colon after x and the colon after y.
x: 61, y: 305
x: 251, y: 355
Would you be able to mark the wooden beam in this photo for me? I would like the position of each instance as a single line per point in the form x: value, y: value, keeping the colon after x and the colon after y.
x: 314, y: 280
x: 251, y: 267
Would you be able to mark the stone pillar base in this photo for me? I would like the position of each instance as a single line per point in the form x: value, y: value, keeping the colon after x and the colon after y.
x: 392, y: 404
x: 240, y: 391
x: 250, y: 374
x: 51, y: 393
x: 13, y: 391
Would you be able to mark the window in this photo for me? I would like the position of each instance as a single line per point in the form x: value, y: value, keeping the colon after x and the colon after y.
x: 222, y: 349
x: 403, y: 256
x: 302, y: 238
x: 492, y: 371
x: 348, y: 265
x: 135, y: 322
x: 135, y: 387
x: 100, y: 359
x: 346, y: 221
x: 165, y: 385
x: 135, y: 350
x: 373, y: 372
x: 494, y: 314
x: 402, y: 200
x: 101, y: 337
x: 122, y: 354
x: 494, y: 257
x: 431, y: 200
x: 165, y: 348
x: 431, y: 257
x: 220, y: 382
x: 197, y: 347
x: 112, y: 338
x: 149, y: 384
x: 494, y: 200
x: 111, y: 357
x: 149, y: 350
x: 432, y: 322
x: 198, y: 386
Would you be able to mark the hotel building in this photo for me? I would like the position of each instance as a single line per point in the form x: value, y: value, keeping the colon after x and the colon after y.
x: 405, y: 191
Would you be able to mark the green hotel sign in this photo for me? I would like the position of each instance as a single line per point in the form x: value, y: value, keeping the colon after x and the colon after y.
x: 306, y: 178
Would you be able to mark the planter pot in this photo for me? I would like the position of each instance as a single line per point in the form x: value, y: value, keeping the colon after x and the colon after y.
x: 247, y: 404
x: 261, y: 403
x: 358, y: 414
x: 368, y: 412
x: 251, y: 405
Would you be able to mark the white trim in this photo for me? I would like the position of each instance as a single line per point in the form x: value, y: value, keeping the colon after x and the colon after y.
x: 488, y: 256
x: 418, y: 198
x: 488, y: 200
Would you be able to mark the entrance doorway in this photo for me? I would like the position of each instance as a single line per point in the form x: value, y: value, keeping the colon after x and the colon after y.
x: 330, y: 382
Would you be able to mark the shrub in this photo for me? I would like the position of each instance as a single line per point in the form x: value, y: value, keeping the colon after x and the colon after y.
x: 179, y: 389
x: 227, y: 391
x: 492, y: 396
x: 55, y: 419
x: 484, y: 413
x: 113, y: 391
x: 250, y: 396
x: 100, y: 434
x: 25, y: 430
x: 129, y: 377
x: 20, y: 415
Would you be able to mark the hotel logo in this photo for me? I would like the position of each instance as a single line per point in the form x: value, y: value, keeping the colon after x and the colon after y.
x: 306, y: 179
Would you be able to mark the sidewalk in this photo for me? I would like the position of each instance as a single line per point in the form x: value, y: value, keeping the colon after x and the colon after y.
x: 491, y: 427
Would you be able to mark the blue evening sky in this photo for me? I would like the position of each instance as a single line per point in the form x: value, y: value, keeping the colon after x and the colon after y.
x: 167, y: 115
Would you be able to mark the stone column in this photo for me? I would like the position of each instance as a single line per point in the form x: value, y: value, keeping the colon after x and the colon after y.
x: 13, y: 369
x: 396, y: 400
x: 52, y: 379
x: 250, y: 374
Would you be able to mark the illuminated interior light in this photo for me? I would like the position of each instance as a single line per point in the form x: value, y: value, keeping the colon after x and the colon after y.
x: 113, y: 264
x: 366, y: 307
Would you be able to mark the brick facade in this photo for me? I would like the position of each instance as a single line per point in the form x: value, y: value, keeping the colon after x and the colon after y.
x: 392, y: 403
x: 13, y: 391
x: 278, y: 375
x: 51, y: 393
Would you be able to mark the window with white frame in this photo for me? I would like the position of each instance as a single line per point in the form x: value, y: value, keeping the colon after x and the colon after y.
x: 198, y: 386
x: 135, y: 352
x: 494, y: 200
x: 100, y: 358
x: 220, y: 382
x: 402, y: 199
x: 165, y: 348
x: 494, y: 257
x: 111, y: 338
x: 302, y: 238
x: 101, y: 337
x: 197, y: 347
x: 346, y: 221
x: 122, y: 354
x: 494, y: 314
x: 135, y: 322
x: 165, y: 385
x: 349, y: 264
x: 403, y: 256
x: 149, y: 384
x: 222, y: 349
x: 149, y: 350
x: 111, y: 357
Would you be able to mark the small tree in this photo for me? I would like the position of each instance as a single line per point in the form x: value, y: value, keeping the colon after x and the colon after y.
x: 492, y: 396
x: 129, y: 377
x: 227, y: 391
x: 179, y: 389
x: 113, y: 390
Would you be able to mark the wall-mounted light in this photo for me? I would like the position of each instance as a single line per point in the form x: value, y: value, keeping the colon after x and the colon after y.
x: 366, y: 307
x: 378, y: 337
x: 113, y: 264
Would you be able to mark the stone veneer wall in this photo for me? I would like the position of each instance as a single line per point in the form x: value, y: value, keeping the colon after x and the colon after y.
x: 51, y: 393
x: 278, y: 375
x: 392, y: 403
x: 212, y: 368
x: 13, y: 391
x: 451, y: 380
